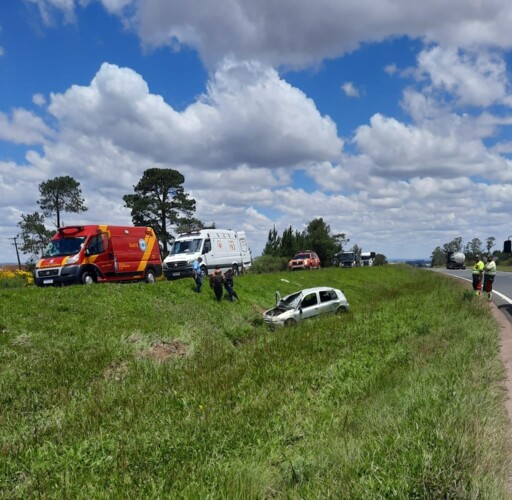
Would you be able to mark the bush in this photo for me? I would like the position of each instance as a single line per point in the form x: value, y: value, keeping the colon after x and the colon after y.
x: 15, y: 279
x: 268, y: 264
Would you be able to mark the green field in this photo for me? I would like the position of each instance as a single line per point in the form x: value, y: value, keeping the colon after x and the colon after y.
x: 154, y: 391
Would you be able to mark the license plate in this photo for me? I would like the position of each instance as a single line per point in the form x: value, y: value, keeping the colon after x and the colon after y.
x: 176, y: 274
x: 47, y: 282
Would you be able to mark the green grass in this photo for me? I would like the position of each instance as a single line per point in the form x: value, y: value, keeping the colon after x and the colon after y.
x: 402, y: 397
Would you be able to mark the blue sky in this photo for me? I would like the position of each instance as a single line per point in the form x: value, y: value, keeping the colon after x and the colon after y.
x: 390, y: 120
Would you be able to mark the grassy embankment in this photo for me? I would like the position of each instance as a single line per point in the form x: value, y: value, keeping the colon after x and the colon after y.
x: 402, y: 397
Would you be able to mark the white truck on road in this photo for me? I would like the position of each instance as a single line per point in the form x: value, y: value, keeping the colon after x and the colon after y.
x: 367, y: 258
x: 455, y: 260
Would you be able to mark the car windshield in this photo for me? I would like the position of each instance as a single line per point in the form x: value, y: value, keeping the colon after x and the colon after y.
x: 301, y: 256
x: 290, y: 301
x: 186, y: 246
x: 64, y: 246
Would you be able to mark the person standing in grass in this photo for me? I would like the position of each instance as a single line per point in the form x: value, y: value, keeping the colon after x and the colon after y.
x: 198, y: 273
x: 229, y: 285
x: 490, y: 273
x: 217, y: 283
x: 477, y: 271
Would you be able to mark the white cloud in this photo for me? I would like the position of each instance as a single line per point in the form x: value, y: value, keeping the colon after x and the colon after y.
x: 350, y: 90
x: 397, y: 149
x: 247, y: 106
x: 39, y: 99
x: 300, y: 33
x: 475, y: 79
x: 23, y: 127
x: 49, y: 9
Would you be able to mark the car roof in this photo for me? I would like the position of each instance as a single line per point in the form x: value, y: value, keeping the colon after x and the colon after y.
x: 314, y: 289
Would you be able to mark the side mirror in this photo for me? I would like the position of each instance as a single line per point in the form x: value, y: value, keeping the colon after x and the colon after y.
x: 87, y: 252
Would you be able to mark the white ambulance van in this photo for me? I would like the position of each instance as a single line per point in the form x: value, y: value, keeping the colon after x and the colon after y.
x: 218, y: 247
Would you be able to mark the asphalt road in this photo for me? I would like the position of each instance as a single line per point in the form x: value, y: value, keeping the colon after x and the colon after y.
x: 502, y: 289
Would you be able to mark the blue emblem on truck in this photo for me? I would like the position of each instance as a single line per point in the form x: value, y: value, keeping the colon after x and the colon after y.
x: 142, y: 245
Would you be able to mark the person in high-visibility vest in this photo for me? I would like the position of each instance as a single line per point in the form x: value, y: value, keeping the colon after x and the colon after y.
x: 477, y: 271
x: 490, y: 273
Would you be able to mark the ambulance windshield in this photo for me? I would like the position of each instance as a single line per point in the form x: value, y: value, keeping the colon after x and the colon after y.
x: 64, y: 246
x: 186, y: 246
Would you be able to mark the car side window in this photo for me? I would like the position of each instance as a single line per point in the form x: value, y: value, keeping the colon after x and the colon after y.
x: 309, y: 300
x: 207, y: 248
x: 326, y: 296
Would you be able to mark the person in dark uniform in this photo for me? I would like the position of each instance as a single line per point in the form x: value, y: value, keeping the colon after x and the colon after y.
x: 217, y: 283
x: 229, y: 285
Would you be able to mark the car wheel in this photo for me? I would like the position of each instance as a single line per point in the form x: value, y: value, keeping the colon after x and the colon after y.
x: 87, y: 277
x: 341, y: 310
x: 290, y: 322
x: 150, y: 276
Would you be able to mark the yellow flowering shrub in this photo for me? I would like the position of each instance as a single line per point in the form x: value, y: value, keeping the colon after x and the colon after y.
x: 15, y: 278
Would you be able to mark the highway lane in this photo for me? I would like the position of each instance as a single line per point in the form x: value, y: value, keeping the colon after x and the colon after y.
x: 502, y: 289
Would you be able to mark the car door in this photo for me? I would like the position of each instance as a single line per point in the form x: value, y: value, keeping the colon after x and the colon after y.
x: 309, y: 305
x: 328, y: 301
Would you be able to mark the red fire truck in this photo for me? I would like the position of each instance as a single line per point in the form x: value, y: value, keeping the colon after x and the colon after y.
x: 89, y: 254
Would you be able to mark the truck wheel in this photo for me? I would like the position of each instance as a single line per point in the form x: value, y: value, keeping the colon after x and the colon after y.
x: 150, y: 276
x: 87, y: 277
x: 204, y: 269
x: 235, y: 270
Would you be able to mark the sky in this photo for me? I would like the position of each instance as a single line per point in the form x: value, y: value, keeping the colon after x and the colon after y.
x: 389, y: 119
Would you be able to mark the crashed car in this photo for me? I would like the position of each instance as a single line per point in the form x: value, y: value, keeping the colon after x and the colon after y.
x: 304, y: 304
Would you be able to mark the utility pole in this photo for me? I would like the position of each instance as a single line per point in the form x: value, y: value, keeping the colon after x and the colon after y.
x: 17, y: 253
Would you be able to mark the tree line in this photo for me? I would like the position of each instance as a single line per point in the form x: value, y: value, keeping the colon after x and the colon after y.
x: 471, y: 249
x: 316, y: 237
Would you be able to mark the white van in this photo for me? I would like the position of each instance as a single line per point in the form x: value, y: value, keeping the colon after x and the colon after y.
x: 218, y: 247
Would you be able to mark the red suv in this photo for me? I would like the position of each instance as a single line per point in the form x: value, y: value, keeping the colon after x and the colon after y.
x: 304, y: 260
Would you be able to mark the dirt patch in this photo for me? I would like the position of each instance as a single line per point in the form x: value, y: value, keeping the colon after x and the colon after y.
x: 116, y: 370
x: 163, y: 351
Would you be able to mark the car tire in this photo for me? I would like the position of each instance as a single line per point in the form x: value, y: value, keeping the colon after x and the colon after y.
x: 341, y: 310
x: 290, y: 322
x: 150, y: 276
x: 87, y: 277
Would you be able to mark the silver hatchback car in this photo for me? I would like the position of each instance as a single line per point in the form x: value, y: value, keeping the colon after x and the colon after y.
x: 306, y: 304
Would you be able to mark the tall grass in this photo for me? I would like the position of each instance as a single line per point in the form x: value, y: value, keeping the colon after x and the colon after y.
x: 401, y: 397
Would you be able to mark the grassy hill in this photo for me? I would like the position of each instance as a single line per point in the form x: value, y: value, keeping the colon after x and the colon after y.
x: 141, y: 390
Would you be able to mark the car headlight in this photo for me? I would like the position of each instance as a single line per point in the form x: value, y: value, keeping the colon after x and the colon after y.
x: 73, y: 260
